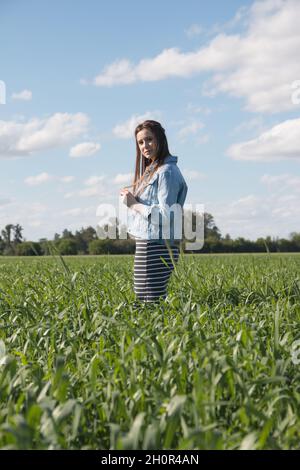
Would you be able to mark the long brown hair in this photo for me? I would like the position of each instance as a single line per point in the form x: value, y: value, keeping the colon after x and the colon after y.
x: 162, y: 150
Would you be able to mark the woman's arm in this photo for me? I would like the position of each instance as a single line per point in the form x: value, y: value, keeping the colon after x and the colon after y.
x: 131, y: 201
x: 168, y: 189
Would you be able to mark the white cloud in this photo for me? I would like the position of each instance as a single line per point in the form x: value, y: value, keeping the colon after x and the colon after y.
x: 191, y: 107
x: 4, y: 201
x: 193, y: 174
x: 27, y: 214
x: 96, y: 186
x: 69, y: 195
x: 241, y: 17
x: 25, y: 95
x: 93, y: 180
x: 281, y: 142
x: 92, y: 191
x: 255, y: 123
x: 282, y: 182
x: 245, y: 205
x: 203, y: 139
x: 190, y: 129
x: 34, y: 223
x: 78, y: 211
x: 256, y: 216
x: 73, y: 212
x: 23, y: 139
x: 126, y: 129
x: 194, y: 30
x: 44, y: 177
x: 36, y: 208
x: 38, y: 179
x: 259, y: 65
x: 274, y: 212
x: 123, y: 178
x: 85, y: 149
x: 66, y: 179
x: 170, y: 62
x: 271, y: 179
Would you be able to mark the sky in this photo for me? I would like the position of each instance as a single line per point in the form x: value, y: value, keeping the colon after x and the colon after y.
x: 223, y: 79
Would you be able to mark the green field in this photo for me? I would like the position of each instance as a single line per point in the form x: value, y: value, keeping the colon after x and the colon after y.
x: 83, y: 367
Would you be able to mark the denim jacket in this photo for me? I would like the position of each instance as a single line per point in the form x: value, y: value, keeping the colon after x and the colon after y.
x: 166, y: 189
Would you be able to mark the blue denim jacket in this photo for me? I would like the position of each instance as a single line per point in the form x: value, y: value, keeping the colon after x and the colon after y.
x: 166, y: 188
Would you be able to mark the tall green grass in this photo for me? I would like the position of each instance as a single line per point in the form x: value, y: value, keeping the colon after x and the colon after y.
x: 86, y: 367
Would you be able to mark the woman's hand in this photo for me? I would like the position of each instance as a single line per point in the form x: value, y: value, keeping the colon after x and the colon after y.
x: 129, y: 198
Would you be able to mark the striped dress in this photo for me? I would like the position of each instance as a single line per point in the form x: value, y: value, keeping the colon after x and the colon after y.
x: 151, y: 274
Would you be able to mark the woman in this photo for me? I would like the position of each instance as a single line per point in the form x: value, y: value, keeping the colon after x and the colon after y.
x: 158, y: 186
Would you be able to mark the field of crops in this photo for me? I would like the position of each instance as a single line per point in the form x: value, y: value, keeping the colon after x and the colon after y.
x: 82, y: 366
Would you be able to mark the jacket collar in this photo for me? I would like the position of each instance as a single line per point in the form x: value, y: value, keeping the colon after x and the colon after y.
x: 170, y: 159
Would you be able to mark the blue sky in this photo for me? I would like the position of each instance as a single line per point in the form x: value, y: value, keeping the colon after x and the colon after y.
x: 218, y: 75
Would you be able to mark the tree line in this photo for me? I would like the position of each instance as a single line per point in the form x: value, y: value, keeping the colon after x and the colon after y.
x: 86, y: 242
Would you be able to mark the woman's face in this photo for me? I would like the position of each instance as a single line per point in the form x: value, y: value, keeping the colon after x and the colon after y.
x: 147, y: 143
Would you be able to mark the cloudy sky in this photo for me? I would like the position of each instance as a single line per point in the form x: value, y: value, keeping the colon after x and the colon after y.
x: 223, y: 78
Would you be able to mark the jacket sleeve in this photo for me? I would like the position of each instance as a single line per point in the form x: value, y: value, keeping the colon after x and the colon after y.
x: 168, y: 190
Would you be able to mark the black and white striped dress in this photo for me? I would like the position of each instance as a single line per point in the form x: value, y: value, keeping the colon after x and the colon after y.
x: 151, y: 275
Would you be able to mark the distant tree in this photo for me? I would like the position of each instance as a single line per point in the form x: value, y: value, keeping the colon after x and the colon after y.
x: 67, y: 246
x: 6, y: 233
x: 99, y: 247
x: 227, y: 244
x: 284, y: 245
x: 213, y: 245
x: 84, y: 237
x: 211, y: 231
x: 18, y: 237
x: 239, y: 245
x: 210, y: 228
x: 268, y: 243
x: 29, y: 249
x: 87, y: 240
x: 2, y: 245
x: 261, y: 245
x: 67, y: 234
x: 89, y: 234
x: 295, y: 240
x: 123, y: 246
x: 47, y: 246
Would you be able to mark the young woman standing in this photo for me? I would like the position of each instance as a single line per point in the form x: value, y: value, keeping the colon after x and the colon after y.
x: 158, y: 186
